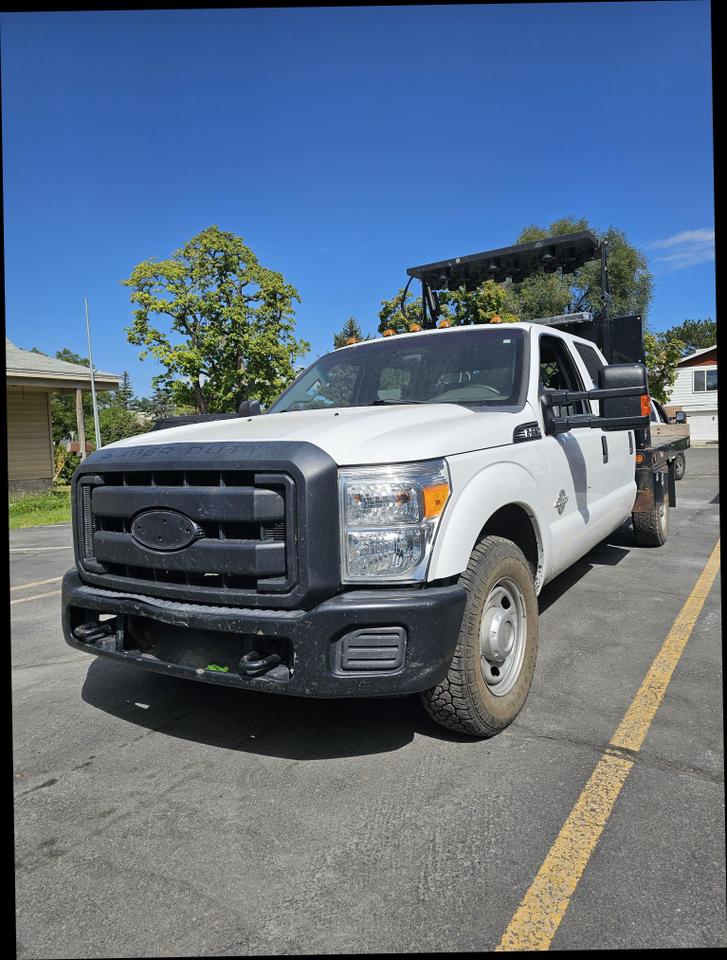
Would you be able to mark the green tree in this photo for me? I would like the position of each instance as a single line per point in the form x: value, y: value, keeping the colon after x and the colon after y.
x: 235, y: 318
x: 124, y: 396
x: 695, y: 334
x: 160, y: 403
x: 116, y: 423
x: 350, y: 329
x: 662, y: 353
x: 392, y: 317
x: 550, y: 294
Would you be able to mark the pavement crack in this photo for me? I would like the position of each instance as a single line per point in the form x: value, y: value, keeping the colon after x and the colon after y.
x: 656, y: 762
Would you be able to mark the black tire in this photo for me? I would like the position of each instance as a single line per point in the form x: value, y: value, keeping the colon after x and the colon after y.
x: 463, y: 701
x: 651, y: 527
x: 680, y: 466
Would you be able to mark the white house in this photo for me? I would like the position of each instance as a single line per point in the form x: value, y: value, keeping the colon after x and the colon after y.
x: 695, y: 392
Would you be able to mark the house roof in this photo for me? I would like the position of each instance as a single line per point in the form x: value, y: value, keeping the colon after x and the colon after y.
x: 23, y: 367
x: 697, y: 353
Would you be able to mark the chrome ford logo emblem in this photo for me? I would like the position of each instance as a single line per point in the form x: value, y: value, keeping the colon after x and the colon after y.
x: 164, y: 530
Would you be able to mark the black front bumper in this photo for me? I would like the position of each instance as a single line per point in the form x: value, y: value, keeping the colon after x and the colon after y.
x: 182, y: 639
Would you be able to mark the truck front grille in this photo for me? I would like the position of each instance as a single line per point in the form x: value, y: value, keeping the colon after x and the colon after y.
x: 250, y: 524
x: 243, y: 546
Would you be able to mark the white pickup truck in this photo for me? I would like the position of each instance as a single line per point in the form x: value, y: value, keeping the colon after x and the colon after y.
x: 383, y: 529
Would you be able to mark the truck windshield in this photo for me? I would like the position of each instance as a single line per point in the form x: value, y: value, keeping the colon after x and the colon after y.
x: 474, y: 366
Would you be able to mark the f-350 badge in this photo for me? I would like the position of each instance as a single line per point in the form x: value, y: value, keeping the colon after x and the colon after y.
x: 561, y: 502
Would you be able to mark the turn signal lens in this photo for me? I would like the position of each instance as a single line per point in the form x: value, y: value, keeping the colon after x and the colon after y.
x: 639, y: 458
x: 435, y: 497
x: 645, y: 405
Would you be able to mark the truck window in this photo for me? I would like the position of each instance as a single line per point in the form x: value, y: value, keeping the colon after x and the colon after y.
x: 558, y: 372
x: 591, y: 359
x: 477, y: 366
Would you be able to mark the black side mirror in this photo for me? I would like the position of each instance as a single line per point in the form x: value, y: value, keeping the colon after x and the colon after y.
x: 681, y: 417
x: 617, y: 377
x: 249, y: 408
x: 623, y: 394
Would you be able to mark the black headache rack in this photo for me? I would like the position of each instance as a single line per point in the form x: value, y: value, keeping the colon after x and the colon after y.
x: 243, y: 524
x: 619, y: 338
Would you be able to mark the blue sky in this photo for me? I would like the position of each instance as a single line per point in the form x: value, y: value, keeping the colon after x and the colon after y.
x: 344, y: 144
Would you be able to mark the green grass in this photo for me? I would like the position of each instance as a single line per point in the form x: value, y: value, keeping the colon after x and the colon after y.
x: 35, y: 509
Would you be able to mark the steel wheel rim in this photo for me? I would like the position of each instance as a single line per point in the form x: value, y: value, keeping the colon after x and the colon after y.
x: 503, y: 632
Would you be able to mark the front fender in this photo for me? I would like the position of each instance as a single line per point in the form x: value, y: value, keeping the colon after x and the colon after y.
x: 478, y: 491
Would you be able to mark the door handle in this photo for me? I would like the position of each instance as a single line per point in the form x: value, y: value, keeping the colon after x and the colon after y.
x: 604, y: 447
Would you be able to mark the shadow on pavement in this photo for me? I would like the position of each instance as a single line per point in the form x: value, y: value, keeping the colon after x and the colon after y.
x: 250, y: 722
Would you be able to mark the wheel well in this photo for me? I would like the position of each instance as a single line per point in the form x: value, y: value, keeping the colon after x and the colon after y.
x: 514, y: 523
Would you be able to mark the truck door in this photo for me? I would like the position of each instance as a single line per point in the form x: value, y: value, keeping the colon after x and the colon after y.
x: 618, y: 447
x: 576, y: 465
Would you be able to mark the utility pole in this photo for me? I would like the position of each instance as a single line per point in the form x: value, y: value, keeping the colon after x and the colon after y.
x: 93, y: 381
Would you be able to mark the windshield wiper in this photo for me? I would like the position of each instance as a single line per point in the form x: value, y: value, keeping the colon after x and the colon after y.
x: 379, y: 403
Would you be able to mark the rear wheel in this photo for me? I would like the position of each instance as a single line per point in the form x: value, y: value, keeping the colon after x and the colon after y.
x: 494, y: 661
x: 680, y: 466
x: 651, y: 527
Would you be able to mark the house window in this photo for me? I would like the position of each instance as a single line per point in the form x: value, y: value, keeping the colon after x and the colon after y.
x: 705, y: 380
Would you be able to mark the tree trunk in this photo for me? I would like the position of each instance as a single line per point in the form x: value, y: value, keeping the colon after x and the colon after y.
x: 199, y: 398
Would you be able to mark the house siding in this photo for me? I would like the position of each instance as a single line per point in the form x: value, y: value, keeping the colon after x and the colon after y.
x: 683, y: 393
x: 30, y: 445
x: 699, y: 405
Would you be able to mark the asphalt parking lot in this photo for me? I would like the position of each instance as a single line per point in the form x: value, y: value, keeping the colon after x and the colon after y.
x: 160, y: 817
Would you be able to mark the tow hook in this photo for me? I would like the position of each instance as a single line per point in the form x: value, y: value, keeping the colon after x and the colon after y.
x: 97, y: 631
x: 252, y: 663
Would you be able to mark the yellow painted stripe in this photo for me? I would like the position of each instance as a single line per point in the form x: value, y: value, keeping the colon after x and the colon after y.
x: 632, y: 729
x: 38, y: 596
x: 537, y: 918
x: 541, y: 910
x: 35, y: 583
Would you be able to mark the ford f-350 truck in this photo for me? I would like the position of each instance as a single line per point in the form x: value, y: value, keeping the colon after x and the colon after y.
x: 386, y: 526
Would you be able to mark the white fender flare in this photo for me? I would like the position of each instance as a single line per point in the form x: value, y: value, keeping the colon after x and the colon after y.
x: 494, y: 486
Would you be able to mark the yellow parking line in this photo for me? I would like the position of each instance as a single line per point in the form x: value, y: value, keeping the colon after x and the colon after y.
x: 541, y: 910
x: 35, y: 583
x: 38, y: 596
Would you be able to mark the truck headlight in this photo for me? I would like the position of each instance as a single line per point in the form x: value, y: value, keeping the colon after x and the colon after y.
x: 389, y: 516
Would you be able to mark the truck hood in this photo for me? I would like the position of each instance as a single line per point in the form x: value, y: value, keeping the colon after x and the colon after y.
x: 359, y: 435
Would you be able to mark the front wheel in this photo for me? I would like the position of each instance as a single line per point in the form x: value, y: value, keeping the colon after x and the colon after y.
x: 494, y: 660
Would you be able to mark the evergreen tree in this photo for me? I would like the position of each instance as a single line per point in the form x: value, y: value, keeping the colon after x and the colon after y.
x: 350, y: 330
x: 124, y: 396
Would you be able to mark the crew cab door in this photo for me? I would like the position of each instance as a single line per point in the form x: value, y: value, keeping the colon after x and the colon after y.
x: 576, y: 468
x: 618, y: 446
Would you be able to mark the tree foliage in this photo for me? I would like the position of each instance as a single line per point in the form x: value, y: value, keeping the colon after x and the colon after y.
x: 662, y: 353
x: 488, y: 303
x: 117, y: 423
x: 160, y: 402
x: 124, y: 396
x: 550, y: 294
x: 351, y: 329
x: 695, y: 334
x: 230, y: 322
